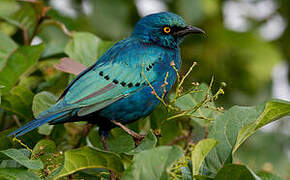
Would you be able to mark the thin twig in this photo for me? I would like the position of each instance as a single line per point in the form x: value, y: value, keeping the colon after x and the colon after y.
x: 153, y: 90
x: 164, y: 86
x: 58, y: 24
x: 22, y: 144
x: 15, y: 118
x: 25, y: 36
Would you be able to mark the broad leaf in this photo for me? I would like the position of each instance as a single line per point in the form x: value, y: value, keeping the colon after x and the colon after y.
x: 85, y: 157
x: 22, y: 159
x: 7, y: 47
x: 83, y: 47
x: 19, y: 101
x: 25, y: 18
x: 199, y: 152
x: 236, y: 125
x: 153, y: 163
x: 8, y: 7
x: 42, y: 101
x: 54, y: 39
x: 237, y: 172
x: 45, y: 150
x: 148, y: 142
x: 190, y: 100
x: 16, y: 174
x: 274, y: 109
x: 15, y: 68
x: 118, y: 141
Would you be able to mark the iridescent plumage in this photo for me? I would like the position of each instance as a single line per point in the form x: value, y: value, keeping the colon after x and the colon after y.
x: 114, y: 88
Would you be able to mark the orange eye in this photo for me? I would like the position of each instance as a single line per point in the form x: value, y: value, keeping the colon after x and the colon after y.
x: 167, y: 29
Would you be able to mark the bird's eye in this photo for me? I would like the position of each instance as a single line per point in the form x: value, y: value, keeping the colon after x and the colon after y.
x: 167, y: 29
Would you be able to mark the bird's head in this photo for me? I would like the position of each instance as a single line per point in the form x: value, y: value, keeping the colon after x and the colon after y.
x: 165, y: 29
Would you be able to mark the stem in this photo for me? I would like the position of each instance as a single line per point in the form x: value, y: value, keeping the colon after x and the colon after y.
x: 164, y: 85
x: 153, y: 90
x: 58, y: 24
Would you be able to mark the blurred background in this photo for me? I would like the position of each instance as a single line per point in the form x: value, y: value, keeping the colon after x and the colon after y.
x: 247, y: 46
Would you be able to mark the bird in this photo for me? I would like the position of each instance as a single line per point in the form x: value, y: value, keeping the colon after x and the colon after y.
x: 118, y: 88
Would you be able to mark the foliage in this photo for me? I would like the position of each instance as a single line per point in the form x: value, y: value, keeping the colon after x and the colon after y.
x: 187, y: 136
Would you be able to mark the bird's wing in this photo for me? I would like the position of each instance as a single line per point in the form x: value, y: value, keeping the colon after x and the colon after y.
x: 117, y: 74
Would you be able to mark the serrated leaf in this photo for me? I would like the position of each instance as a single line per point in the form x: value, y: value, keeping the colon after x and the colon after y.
x: 86, y: 157
x: 236, y: 125
x: 16, y: 174
x: 15, y: 68
x: 22, y: 159
x: 237, y: 172
x: 153, y: 163
x: 201, y: 149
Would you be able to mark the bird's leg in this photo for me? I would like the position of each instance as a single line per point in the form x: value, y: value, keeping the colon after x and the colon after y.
x: 137, y: 137
x: 105, y: 144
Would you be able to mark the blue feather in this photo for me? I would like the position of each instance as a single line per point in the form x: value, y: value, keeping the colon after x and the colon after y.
x: 114, y: 88
x: 38, y: 122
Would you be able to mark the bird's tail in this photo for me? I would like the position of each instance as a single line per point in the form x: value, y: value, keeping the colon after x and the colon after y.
x: 40, y: 121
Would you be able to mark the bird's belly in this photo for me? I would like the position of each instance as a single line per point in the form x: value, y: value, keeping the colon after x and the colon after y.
x: 132, y: 108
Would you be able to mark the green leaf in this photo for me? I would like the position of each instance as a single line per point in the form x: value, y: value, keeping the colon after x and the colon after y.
x: 169, y: 131
x: 199, y: 152
x: 16, y: 174
x: 118, y: 141
x: 148, y: 142
x: 153, y: 163
x: 85, y: 157
x: 274, y: 109
x: 45, y: 150
x: 190, y: 100
x: 83, y: 47
x: 236, y: 125
x: 237, y: 172
x: 268, y: 176
x: 25, y: 18
x: 54, y: 39
x: 7, y: 47
x: 22, y: 159
x: 16, y: 68
x: 19, y: 101
x: 8, y: 7
x: 43, y: 146
x: 42, y: 101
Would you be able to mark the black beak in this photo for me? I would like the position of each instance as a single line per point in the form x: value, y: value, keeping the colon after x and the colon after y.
x: 189, y: 30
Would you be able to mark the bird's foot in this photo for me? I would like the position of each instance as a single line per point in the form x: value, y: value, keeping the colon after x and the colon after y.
x: 137, y: 137
x: 105, y: 142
